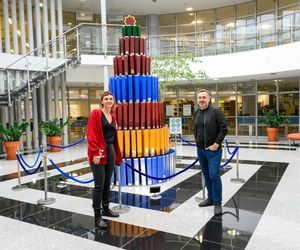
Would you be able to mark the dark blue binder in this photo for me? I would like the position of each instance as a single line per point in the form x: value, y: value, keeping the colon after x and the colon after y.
x: 137, y: 88
x: 149, y: 170
x: 124, y: 88
x: 118, y: 89
x: 130, y: 89
x: 149, y: 88
x: 155, y: 89
x: 143, y: 87
x: 123, y: 174
x: 154, y: 168
x: 129, y: 173
x: 111, y: 85
x: 164, y: 167
x: 160, y: 167
x: 136, y: 174
x: 143, y: 170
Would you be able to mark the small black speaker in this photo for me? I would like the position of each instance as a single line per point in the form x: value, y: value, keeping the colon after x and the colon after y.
x: 154, y: 189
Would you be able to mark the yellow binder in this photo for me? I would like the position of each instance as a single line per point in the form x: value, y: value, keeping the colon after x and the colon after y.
x: 146, y: 142
x: 157, y: 141
x: 139, y: 143
x: 162, y: 140
x: 152, y: 135
x: 133, y: 143
x: 121, y: 141
x: 127, y: 143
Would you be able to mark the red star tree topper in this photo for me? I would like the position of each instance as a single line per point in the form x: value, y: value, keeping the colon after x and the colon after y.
x: 129, y: 20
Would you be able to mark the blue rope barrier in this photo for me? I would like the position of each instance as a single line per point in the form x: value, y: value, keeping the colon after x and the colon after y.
x: 36, y: 160
x: 26, y: 171
x: 227, y: 147
x: 69, y: 176
x: 161, y: 178
x: 68, y: 146
x: 186, y: 141
x: 233, y: 154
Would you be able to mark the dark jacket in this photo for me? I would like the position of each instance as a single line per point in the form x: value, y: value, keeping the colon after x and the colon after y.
x: 210, y: 127
x: 96, y: 139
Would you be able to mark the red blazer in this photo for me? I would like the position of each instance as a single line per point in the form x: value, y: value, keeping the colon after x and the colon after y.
x: 96, y: 141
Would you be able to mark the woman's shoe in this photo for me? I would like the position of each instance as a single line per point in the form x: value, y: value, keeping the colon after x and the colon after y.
x: 99, y: 222
x: 108, y: 212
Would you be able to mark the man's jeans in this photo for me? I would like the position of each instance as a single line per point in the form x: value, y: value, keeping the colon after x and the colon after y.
x: 210, y: 164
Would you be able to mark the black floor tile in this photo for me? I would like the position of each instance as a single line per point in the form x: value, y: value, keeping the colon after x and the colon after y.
x: 118, y: 234
x: 7, y: 204
x: 152, y: 239
x: 207, y: 245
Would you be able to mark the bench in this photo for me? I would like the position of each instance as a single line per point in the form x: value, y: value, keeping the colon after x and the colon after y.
x: 294, y: 137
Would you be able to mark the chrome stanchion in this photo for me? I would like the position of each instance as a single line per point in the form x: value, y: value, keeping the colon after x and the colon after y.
x: 225, y: 156
x: 121, y: 209
x: 198, y: 198
x: 237, y: 179
x: 47, y: 200
x: 42, y: 174
x: 19, y: 187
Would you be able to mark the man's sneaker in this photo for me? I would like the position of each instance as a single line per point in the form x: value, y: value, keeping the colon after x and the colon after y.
x: 206, y: 203
x: 218, y: 209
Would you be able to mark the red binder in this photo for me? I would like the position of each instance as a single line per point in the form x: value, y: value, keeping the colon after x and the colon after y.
x: 147, y: 65
x: 143, y: 115
x: 131, y: 58
x: 137, y: 45
x: 148, y: 114
x: 121, y: 46
x: 157, y: 115
x: 120, y: 115
x: 131, y: 49
x: 130, y: 117
x: 115, y: 65
x: 125, y: 65
x: 137, y: 115
x: 153, y: 114
x: 126, y: 44
x: 142, y: 46
x: 125, y: 116
x: 138, y: 64
x: 120, y: 65
x: 143, y: 59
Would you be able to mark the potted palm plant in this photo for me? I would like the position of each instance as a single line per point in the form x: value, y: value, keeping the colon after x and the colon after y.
x: 53, y: 130
x: 11, y: 137
x: 273, y: 120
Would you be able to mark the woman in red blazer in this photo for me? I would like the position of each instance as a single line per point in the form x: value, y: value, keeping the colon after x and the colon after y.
x: 103, y: 153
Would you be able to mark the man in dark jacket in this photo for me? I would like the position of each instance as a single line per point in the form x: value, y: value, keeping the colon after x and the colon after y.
x: 210, y: 131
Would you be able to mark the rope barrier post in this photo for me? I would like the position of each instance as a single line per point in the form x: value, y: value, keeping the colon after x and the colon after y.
x: 46, y: 200
x: 237, y: 180
x: 121, y: 209
x: 198, y: 198
x: 19, y: 187
x: 225, y: 156
x: 42, y: 174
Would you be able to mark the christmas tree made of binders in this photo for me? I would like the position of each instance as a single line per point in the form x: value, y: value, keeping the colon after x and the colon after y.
x: 143, y: 140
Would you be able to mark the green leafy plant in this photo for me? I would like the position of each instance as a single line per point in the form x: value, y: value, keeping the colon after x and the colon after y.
x: 52, y: 127
x: 272, y: 119
x: 174, y: 68
x: 13, y: 132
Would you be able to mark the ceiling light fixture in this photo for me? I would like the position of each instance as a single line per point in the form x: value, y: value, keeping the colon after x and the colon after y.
x: 189, y: 9
x: 41, y: 4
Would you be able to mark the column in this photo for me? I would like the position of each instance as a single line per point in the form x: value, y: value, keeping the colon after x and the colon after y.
x: 19, y: 118
x: 104, y: 42
x: 14, y: 26
x: 0, y: 37
x: 53, y: 27
x: 153, y: 32
x: 60, y: 26
x: 6, y: 27
x: 38, y: 30
x: 35, y: 120
x: 22, y: 27
x: 56, y: 97
x: 27, y: 118
x: 30, y: 25
x: 64, y: 107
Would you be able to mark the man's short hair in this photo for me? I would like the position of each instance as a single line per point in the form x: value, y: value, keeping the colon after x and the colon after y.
x: 203, y: 90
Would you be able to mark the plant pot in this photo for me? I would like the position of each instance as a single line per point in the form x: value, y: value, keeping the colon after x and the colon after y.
x: 54, y: 140
x: 272, y: 134
x: 11, y: 149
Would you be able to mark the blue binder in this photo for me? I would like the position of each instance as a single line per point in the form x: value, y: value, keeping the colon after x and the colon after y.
x: 118, y: 89
x: 167, y: 165
x: 149, y: 88
x: 160, y: 167
x: 163, y: 167
x: 143, y: 170
x: 129, y: 173
x: 155, y: 89
x: 154, y: 168
x: 124, y: 88
x: 123, y: 174
x: 149, y: 170
x: 111, y: 85
x: 130, y: 89
x: 143, y: 87
x: 136, y: 174
x: 137, y: 88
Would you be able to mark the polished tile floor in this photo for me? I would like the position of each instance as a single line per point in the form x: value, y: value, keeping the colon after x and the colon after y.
x: 262, y: 213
